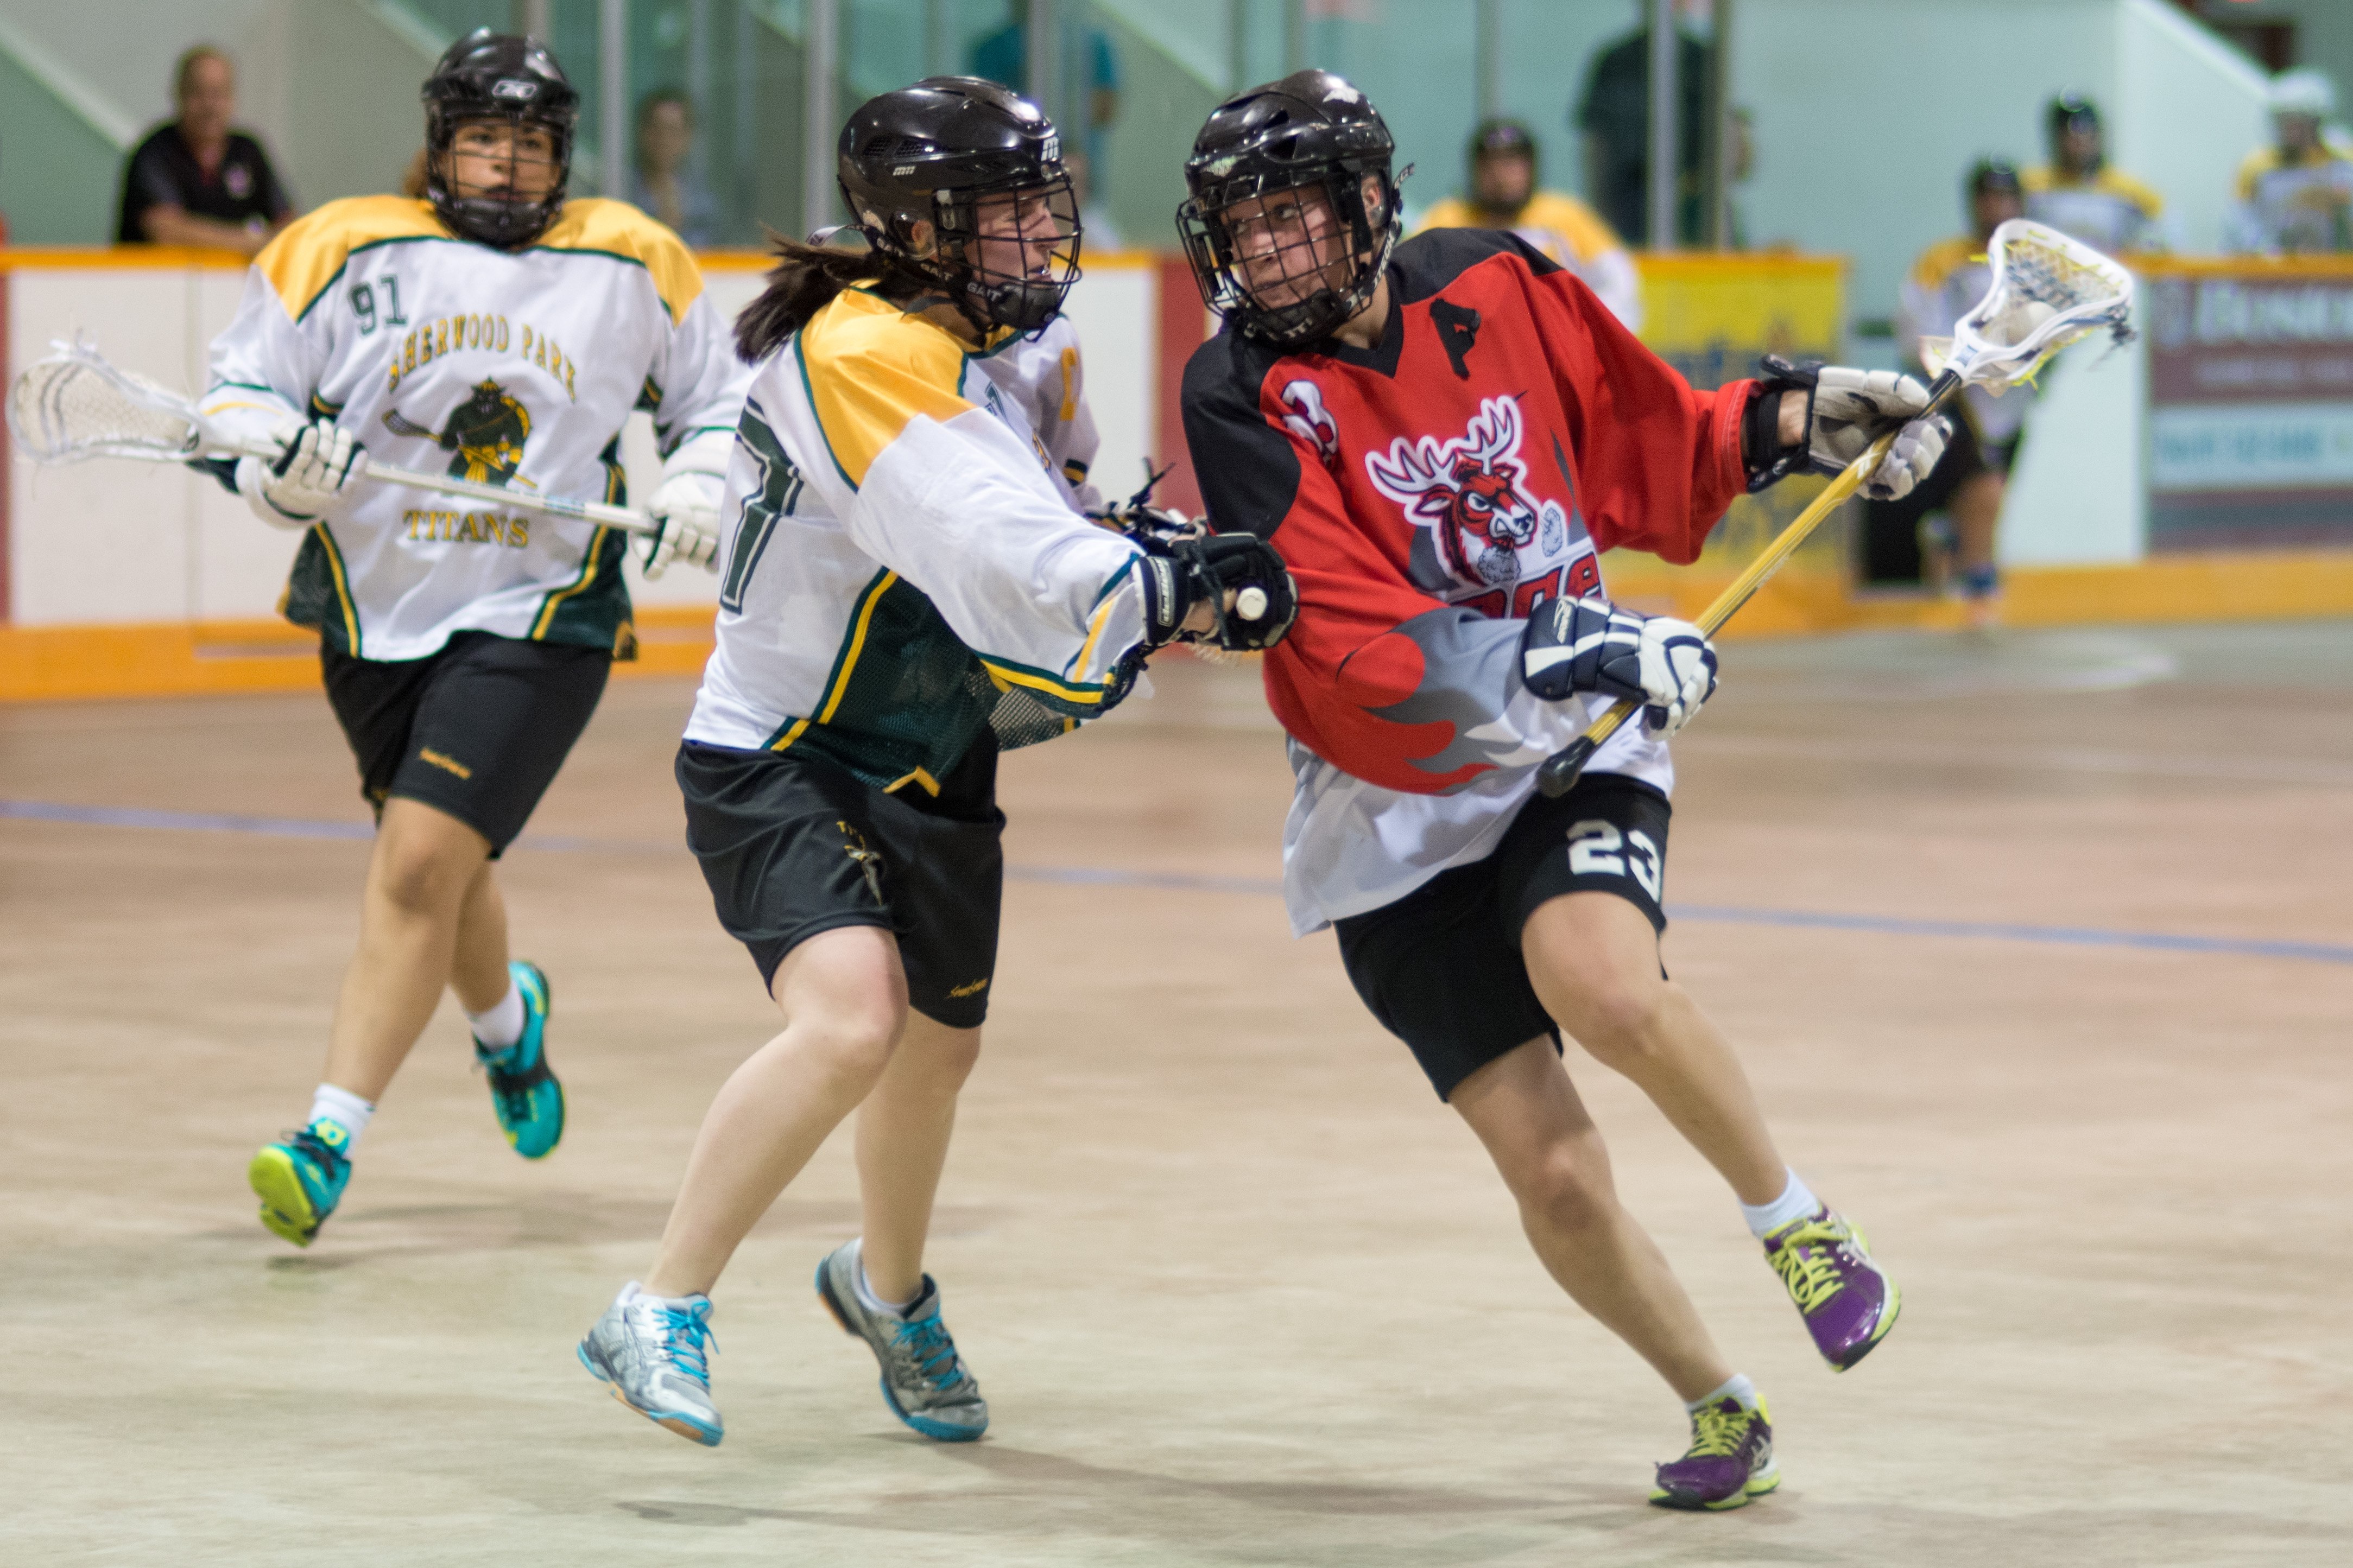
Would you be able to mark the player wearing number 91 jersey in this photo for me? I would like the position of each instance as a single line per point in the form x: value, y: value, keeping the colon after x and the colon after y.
x: 504, y: 335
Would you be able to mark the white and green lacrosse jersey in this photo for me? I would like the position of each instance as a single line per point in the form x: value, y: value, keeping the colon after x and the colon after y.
x: 905, y: 562
x: 510, y: 368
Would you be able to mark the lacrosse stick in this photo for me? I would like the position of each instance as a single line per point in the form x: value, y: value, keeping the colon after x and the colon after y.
x: 74, y: 405
x: 2047, y: 291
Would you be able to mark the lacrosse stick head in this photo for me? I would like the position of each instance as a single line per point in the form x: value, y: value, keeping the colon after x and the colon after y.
x: 74, y: 405
x: 2047, y: 291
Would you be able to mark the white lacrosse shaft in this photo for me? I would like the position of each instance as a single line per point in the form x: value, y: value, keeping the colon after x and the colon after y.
x: 74, y: 405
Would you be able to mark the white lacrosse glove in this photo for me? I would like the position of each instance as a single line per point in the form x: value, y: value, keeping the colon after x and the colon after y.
x: 1574, y: 646
x: 687, y: 507
x: 1852, y: 408
x: 315, y: 465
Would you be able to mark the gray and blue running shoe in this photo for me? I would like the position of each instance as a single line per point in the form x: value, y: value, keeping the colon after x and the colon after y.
x: 923, y: 1379
x: 655, y: 1351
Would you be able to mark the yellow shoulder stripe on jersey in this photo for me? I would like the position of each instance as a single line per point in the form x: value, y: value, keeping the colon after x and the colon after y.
x: 1448, y: 212
x: 309, y: 253
x: 1573, y: 221
x: 2117, y: 183
x: 2259, y: 162
x: 1944, y: 258
x: 868, y: 368
x: 608, y: 228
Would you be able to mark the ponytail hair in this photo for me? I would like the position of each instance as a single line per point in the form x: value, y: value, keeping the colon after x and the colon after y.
x: 804, y: 281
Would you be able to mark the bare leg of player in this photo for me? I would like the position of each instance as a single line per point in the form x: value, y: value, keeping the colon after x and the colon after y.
x: 424, y: 864
x: 1527, y: 1113
x: 1594, y: 960
x: 902, y: 1145
x: 1977, y: 513
x: 844, y: 998
x: 478, y: 967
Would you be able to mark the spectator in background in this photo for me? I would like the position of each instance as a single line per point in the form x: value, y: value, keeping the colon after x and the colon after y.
x: 1614, y: 116
x: 196, y: 181
x: 2078, y: 193
x: 1949, y: 522
x: 2293, y: 195
x: 1505, y: 195
x: 1003, y: 56
x: 661, y: 184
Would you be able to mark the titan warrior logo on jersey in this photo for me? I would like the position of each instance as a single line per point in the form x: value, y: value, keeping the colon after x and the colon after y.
x: 487, y: 432
x: 1471, y: 492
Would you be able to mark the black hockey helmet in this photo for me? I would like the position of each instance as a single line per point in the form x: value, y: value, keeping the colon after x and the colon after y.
x: 1310, y: 129
x: 1991, y: 175
x: 2070, y: 111
x: 935, y: 153
x: 497, y: 76
x: 1502, y: 139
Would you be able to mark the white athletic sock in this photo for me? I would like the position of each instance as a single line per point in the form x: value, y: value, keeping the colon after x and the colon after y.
x: 502, y: 1025
x: 343, y: 1107
x: 1736, y: 1386
x: 1796, y: 1202
x: 874, y: 1303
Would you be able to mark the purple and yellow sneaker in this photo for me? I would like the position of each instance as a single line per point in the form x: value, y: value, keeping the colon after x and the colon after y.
x: 1848, y: 1301
x: 1730, y: 1460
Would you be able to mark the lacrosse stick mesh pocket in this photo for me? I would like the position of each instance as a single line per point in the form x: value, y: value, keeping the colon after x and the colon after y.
x: 65, y: 409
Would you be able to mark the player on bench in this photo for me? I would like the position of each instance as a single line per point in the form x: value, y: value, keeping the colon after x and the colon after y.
x: 1439, y: 436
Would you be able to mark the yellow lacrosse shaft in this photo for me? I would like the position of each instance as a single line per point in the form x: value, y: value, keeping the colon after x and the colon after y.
x: 1560, y: 771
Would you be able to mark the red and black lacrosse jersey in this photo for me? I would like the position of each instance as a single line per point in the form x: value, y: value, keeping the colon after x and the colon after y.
x: 1426, y: 495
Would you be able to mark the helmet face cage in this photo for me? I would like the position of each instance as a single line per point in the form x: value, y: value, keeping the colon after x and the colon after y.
x: 1239, y: 273
x: 979, y: 169
x: 499, y: 215
x: 499, y: 79
x: 1009, y: 254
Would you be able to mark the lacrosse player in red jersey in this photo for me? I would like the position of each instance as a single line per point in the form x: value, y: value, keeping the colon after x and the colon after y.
x: 1438, y: 437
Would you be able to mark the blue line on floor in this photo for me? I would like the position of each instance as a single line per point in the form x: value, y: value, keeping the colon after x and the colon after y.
x: 1181, y: 881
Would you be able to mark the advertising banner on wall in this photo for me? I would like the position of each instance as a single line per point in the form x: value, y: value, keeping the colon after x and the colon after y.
x: 2251, y: 403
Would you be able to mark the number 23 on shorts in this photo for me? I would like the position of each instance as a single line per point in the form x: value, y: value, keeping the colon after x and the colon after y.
x: 1597, y: 848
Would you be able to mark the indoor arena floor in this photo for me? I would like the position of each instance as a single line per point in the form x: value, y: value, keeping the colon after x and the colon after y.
x: 2037, y: 947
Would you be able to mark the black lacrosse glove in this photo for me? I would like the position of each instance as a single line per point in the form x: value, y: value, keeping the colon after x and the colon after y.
x: 1181, y: 574
x: 1577, y: 646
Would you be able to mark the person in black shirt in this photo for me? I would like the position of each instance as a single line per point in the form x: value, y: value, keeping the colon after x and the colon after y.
x: 196, y: 181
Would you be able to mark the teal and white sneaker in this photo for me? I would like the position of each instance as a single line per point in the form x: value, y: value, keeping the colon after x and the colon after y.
x: 923, y: 1379
x: 655, y: 1353
x: 523, y: 1090
x: 300, y: 1179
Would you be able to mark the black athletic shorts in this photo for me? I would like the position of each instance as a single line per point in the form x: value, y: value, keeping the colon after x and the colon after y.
x: 793, y: 845
x: 476, y: 730
x: 1441, y: 969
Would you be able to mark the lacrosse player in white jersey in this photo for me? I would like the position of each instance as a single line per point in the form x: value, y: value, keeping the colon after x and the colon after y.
x: 507, y: 333
x: 909, y: 586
